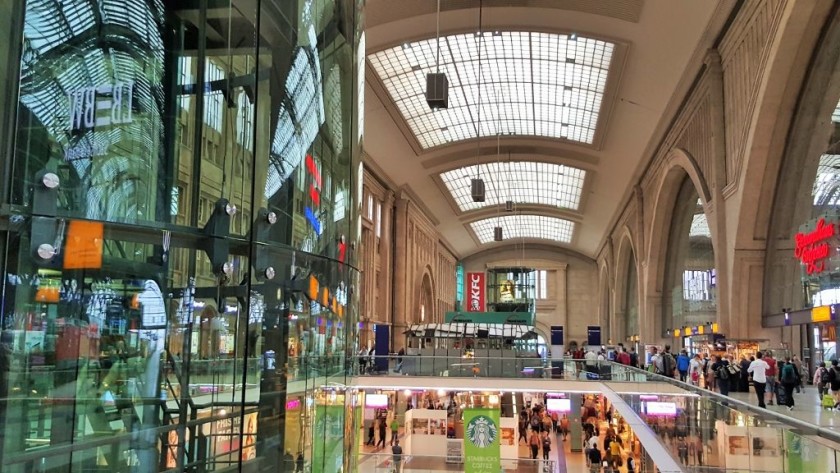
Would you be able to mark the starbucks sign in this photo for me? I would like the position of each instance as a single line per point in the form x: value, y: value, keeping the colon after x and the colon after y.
x: 482, y: 432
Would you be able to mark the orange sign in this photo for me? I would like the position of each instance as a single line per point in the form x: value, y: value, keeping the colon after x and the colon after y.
x: 83, y: 248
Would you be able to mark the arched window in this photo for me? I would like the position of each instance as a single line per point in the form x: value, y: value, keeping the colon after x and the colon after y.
x: 631, y: 298
x: 689, y: 294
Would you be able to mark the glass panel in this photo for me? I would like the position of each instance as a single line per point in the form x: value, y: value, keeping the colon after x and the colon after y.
x: 525, y: 226
x: 542, y: 84
x: 522, y: 182
x: 159, y: 314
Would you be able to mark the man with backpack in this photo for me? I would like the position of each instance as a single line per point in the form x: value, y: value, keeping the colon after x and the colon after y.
x: 834, y: 382
x: 682, y: 364
x: 821, y: 380
x: 720, y: 368
x: 790, y: 379
x: 667, y: 363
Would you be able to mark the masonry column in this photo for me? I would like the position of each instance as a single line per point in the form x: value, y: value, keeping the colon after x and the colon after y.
x: 562, y: 310
x: 386, y: 256
x: 400, y: 280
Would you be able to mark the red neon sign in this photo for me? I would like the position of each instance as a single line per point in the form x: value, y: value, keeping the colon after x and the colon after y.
x: 812, y: 248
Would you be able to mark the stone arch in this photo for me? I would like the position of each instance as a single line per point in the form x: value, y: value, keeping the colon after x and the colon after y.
x: 678, y: 166
x: 426, y: 302
x: 605, y: 291
x: 625, y: 256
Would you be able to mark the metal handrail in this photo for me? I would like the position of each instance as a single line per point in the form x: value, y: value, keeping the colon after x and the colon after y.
x: 729, y: 402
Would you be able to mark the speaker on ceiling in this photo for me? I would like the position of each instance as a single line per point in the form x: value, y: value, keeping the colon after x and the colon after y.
x: 437, y: 90
x: 477, y: 189
x: 497, y: 234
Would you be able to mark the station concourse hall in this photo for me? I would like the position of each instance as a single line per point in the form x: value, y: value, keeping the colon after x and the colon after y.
x: 419, y: 236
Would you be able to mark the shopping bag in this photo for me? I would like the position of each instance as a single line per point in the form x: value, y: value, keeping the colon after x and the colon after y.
x: 827, y: 401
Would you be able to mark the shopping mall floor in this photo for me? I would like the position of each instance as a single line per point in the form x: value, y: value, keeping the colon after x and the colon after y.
x: 378, y: 460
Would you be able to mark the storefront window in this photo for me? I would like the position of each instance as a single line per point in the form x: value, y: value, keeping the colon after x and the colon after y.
x: 690, y: 296
x: 179, y: 266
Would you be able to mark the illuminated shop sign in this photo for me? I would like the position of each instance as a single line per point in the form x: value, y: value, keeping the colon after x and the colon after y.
x: 812, y: 248
x: 314, y: 194
x: 475, y: 283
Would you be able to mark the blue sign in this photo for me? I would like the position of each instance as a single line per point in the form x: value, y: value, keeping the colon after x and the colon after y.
x: 593, y: 335
x: 557, y: 335
x: 313, y: 220
x: 459, y: 282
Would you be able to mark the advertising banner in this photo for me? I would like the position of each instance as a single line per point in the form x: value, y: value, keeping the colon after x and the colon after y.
x: 329, y: 439
x: 475, y: 292
x: 482, y: 450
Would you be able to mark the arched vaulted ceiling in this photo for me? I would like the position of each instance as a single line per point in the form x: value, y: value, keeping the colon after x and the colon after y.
x: 554, y: 105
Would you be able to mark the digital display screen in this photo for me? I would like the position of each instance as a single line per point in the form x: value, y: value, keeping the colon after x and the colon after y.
x: 661, y: 409
x: 376, y: 400
x: 558, y: 405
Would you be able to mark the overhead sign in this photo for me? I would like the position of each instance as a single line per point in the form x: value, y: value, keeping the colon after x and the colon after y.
x: 593, y: 335
x: 813, y: 248
x: 475, y: 292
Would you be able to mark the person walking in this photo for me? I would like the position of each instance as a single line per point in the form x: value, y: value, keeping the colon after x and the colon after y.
x: 395, y: 429
x: 564, y: 427
x: 683, y: 362
x: 797, y: 365
x: 821, y: 380
x: 631, y: 463
x: 790, y: 380
x: 546, y: 445
x: 759, y: 368
x: 721, y: 370
x: 667, y: 365
x: 772, y: 372
x: 682, y: 449
x: 834, y: 382
x: 634, y: 358
x: 744, y: 379
x: 534, y: 443
x: 396, y: 451
x: 695, y: 370
x: 299, y: 463
x: 382, y: 433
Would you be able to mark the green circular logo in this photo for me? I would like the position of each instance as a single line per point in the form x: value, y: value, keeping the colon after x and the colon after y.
x: 482, y: 431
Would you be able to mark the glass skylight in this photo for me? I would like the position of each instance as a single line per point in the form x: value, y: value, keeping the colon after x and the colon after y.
x: 525, y: 226
x: 539, y: 84
x: 699, y: 226
x: 523, y: 182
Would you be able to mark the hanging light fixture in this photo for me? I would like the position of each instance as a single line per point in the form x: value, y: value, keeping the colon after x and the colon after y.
x: 498, y: 234
x: 477, y: 183
x: 509, y: 202
x: 437, y: 84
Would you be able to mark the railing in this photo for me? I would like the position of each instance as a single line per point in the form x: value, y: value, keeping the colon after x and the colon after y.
x: 493, y: 367
x: 732, y: 435
x: 385, y: 463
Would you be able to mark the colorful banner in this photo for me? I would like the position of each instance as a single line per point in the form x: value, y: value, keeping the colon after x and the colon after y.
x: 475, y: 292
x: 329, y: 439
x: 482, y: 451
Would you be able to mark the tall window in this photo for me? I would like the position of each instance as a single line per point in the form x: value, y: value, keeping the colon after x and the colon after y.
x: 542, y: 284
x: 690, y: 295
x: 213, y: 100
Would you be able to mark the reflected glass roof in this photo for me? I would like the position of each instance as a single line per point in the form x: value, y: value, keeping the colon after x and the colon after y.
x: 539, y: 84
x: 523, y: 182
x: 525, y: 226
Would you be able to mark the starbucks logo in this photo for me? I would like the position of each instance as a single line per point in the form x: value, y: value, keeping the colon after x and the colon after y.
x: 482, y: 431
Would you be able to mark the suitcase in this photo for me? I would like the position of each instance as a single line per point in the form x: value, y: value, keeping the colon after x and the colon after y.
x: 827, y: 401
x: 781, y: 397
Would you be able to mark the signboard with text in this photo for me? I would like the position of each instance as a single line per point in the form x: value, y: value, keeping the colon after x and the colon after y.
x: 482, y: 450
x: 475, y: 292
x: 815, y: 245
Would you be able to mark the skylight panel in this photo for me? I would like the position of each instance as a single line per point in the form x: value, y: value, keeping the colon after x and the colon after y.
x: 537, y: 84
x: 523, y: 182
x: 525, y: 226
x: 699, y: 226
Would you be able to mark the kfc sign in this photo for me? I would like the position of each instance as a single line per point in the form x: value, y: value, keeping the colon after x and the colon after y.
x: 475, y: 292
x: 813, y: 249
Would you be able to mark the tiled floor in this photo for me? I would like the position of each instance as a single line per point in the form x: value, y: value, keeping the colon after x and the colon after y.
x: 807, y: 408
